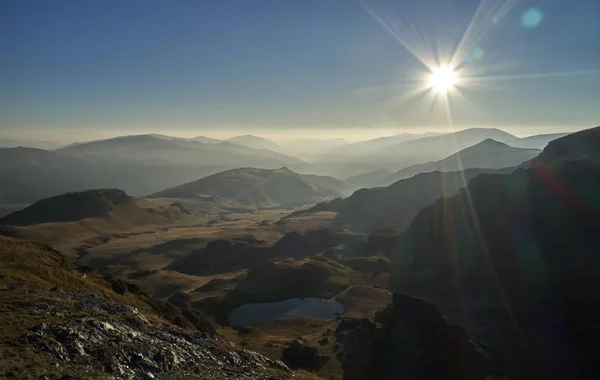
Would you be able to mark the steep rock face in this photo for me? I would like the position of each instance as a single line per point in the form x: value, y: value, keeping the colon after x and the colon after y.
x: 410, y: 340
x: 514, y: 258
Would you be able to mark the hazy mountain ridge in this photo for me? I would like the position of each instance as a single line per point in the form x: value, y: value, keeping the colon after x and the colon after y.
x: 137, y: 164
x: 143, y: 164
x: 254, y: 142
x: 368, y: 179
x: 488, y: 154
x: 140, y: 148
x: 415, y: 151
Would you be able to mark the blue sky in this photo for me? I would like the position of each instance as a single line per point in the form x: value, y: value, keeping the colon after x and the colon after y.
x: 288, y: 65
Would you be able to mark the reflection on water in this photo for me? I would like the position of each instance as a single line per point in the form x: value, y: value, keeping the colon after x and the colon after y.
x: 293, y: 308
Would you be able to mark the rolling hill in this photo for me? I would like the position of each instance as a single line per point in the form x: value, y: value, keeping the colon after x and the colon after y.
x: 488, y: 154
x: 252, y: 187
x: 90, y: 204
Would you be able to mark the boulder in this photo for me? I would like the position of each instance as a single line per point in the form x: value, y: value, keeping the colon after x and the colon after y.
x: 297, y: 355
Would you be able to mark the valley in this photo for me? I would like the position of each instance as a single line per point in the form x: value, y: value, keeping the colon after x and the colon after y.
x: 300, y: 190
x: 285, y: 265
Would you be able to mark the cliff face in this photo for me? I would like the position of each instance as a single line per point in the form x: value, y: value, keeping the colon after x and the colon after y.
x: 410, y: 340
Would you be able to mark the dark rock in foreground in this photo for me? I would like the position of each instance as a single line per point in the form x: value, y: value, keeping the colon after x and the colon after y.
x: 297, y: 355
x: 410, y: 340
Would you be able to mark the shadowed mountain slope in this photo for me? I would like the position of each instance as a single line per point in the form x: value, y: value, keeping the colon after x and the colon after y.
x: 580, y: 145
x: 394, y: 206
x: 254, y: 187
x: 70, y: 207
x: 515, y: 258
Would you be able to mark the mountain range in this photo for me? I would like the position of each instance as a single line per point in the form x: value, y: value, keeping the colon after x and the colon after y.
x: 137, y: 164
x: 144, y: 164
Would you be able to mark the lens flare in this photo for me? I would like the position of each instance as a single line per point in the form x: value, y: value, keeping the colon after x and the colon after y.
x: 443, y: 79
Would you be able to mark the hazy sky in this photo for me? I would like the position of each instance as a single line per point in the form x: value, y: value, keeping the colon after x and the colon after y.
x: 219, y: 67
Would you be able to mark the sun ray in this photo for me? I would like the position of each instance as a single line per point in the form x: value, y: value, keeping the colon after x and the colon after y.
x: 487, y: 15
x: 559, y: 74
x: 398, y: 36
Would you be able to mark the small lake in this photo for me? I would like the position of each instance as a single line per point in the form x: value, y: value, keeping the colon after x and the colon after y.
x: 293, y: 308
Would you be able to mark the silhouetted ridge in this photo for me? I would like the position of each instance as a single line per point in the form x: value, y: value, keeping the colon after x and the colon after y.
x: 514, y: 258
x: 69, y: 207
x: 580, y: 145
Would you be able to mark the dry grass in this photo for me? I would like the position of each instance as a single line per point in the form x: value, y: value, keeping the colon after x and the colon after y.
x: 269, y: 339
x: 311, y: 221
x: 362, y: 301
x: 34, y: 269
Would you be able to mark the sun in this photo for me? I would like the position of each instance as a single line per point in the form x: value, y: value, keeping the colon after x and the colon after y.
x: 443, y: 79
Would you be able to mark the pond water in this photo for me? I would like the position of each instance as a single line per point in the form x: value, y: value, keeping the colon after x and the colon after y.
x: 293, y: 308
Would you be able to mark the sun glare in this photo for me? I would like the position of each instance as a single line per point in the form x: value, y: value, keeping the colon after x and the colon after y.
x: 443, y: 79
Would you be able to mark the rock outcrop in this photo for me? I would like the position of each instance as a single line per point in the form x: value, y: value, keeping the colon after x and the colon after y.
x: 298, y: 355
x: 410, y: 340
x: 58, y: 323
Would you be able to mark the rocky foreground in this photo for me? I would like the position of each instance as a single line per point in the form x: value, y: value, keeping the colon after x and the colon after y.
x: 59, y: 323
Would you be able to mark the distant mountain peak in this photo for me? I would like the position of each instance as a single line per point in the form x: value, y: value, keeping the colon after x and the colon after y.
x: 490, y: 143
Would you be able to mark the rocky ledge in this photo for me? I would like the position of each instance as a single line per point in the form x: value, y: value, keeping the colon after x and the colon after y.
x: 102, y: 336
